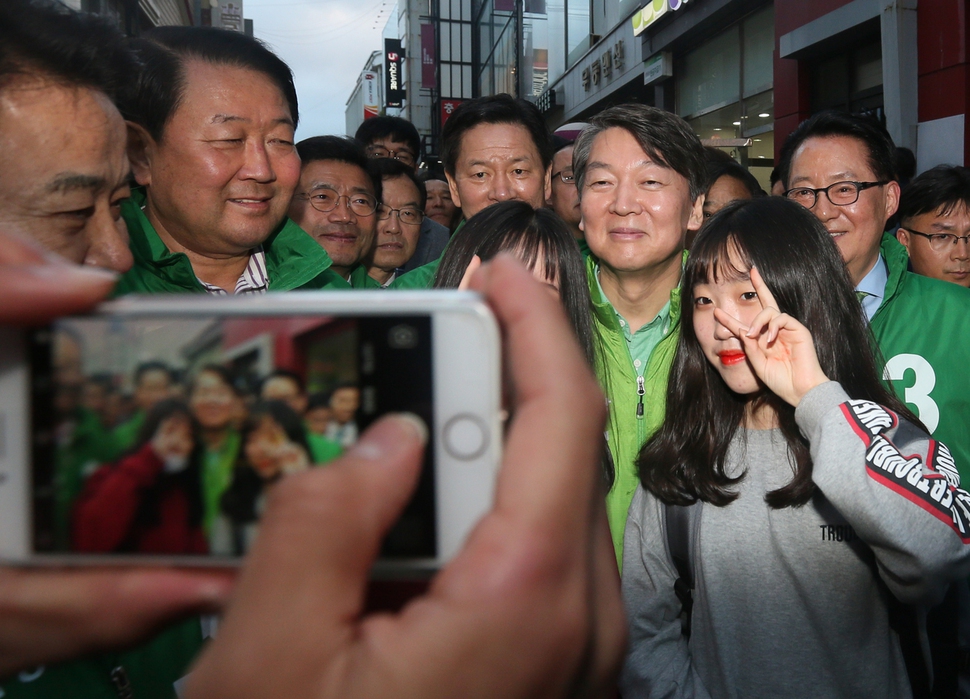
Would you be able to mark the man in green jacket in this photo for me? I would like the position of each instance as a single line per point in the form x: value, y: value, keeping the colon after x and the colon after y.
x: 641, y: 176
x: 493, y: 149
x: 211, y: 124
x: 841, y: 168
x: 337, y: 202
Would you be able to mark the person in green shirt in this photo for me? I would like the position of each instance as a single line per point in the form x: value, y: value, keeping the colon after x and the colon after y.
x: 153, y: 383
x: 217, y: 406
x: 211, y: 119
x: 336, y: 202
x: 287, y: 386
x: 641, y: 176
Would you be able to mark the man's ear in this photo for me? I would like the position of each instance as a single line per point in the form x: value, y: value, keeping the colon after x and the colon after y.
x: 141, y: 150
x: 892, y: 199
x: 902, y: 235
x: 696, y: 218
x: 548, y: 185
x: 453, y: 188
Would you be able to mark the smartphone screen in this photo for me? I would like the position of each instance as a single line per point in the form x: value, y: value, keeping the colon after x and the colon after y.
x: 165, y: 435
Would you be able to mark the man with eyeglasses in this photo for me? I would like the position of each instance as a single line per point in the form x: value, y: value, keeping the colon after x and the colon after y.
x: 394, y: 138
x: 934, y: 214
x: 390, y: 137
x: 211, y: 122
x: 841, y: 167
x: 400, y: 216
x: 564, y: 197
x: 336, y: 202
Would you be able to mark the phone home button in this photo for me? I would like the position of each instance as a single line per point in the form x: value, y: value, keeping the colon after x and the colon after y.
x: 465, y: 436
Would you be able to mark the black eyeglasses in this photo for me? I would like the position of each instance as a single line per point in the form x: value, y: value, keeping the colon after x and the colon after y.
x: 566, y: 176
x: 405, y: 156
x: 325, y: 200
x: 408, y: 214
x: 839, y: 193
x: 940, y: 241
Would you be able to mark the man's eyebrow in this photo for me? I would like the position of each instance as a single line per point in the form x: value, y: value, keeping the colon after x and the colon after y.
x: 642, y: 163
x: 226, y: 118
x: 70, y: 181
x: 837, y: 177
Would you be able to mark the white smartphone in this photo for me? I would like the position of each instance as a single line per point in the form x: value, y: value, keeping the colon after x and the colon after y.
x: 153, y: 429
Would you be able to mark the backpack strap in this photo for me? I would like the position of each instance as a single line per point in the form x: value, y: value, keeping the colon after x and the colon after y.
x: 680, y: 523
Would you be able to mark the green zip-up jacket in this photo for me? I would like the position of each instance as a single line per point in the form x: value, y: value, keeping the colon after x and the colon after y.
x: 423, y: 276
x: 922, y: 328
x: 294, y: 260
x: 625, y: 432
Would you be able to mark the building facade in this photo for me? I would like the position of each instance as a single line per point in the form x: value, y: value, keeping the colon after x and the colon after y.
x: 744, y: 73
x: 136, y: 16
x: 901, y: 60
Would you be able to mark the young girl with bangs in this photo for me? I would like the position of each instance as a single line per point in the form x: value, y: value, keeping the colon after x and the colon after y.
x: 796, y: 495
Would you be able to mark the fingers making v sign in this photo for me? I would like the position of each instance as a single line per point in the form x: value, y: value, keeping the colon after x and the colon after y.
x: 780, y: 349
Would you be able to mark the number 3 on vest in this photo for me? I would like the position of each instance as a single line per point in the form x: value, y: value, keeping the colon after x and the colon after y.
x: 919, y: 393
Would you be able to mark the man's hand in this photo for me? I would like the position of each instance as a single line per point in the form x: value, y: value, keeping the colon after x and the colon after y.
x: 529, y: 608
x: 49, y: 615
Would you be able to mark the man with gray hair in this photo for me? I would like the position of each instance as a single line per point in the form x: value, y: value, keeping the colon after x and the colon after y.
x: 641, y: 175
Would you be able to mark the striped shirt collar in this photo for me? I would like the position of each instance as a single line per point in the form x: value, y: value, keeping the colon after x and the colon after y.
x: 253, y: 280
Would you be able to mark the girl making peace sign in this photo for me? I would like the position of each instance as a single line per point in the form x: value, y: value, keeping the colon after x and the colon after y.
x: 814, y: 495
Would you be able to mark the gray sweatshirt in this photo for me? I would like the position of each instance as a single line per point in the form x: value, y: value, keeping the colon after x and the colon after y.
x: 787, y: 603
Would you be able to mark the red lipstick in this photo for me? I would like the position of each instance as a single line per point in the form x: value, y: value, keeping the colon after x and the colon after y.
x: 731, y: 357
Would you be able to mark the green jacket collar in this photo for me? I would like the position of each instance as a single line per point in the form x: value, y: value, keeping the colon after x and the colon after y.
x: 897, y: 262
x: 293, y: 258
x: 602, y: 308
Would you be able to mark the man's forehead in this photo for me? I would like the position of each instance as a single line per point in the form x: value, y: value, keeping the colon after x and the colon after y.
x: 510, y: 140
x: 337, y: 175
x: 62, y: 138
x: 400, y: 188
x: 390, y: 142
x: 832, y: 157
x: 229, y: 92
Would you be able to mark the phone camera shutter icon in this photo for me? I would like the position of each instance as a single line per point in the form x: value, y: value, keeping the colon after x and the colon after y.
x: 402, y: 337
x: 465, y: 436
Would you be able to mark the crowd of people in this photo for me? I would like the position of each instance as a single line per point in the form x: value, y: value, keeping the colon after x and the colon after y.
x: 182, y: 467
x: 777, y: 460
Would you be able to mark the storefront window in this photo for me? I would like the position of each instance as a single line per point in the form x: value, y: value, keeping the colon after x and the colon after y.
x: 723, y: 89
x: 850, y: 81
x: 577, y: 29
x: 758, y: 33
x: 543, y: 58
x: 711, y: 75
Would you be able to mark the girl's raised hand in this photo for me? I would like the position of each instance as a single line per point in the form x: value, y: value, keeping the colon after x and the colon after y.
x: 779, y: 348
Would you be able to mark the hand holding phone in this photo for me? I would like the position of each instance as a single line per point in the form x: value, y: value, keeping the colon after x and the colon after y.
x: 529, y: 607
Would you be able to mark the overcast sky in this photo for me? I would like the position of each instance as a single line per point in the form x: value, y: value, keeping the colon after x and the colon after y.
x: 325, y: 43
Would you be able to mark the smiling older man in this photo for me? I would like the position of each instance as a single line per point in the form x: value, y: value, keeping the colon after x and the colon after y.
x: 841, y: 167
x: 212, y: 119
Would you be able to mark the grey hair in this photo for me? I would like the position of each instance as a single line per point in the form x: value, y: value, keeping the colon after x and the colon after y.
x: 665, y: 137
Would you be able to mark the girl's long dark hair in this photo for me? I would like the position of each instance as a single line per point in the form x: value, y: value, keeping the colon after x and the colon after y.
x: 189, y: 479
x: 514, y: 226
x: 685, y: 459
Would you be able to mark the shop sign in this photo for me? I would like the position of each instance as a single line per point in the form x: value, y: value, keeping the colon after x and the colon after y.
x: 393, y: 62
x: 658, y: 67
x: 372, y: 100
x: 428, y: 60
x: 613, y: 58
x: 447, y: 109
x: 652, y: 11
